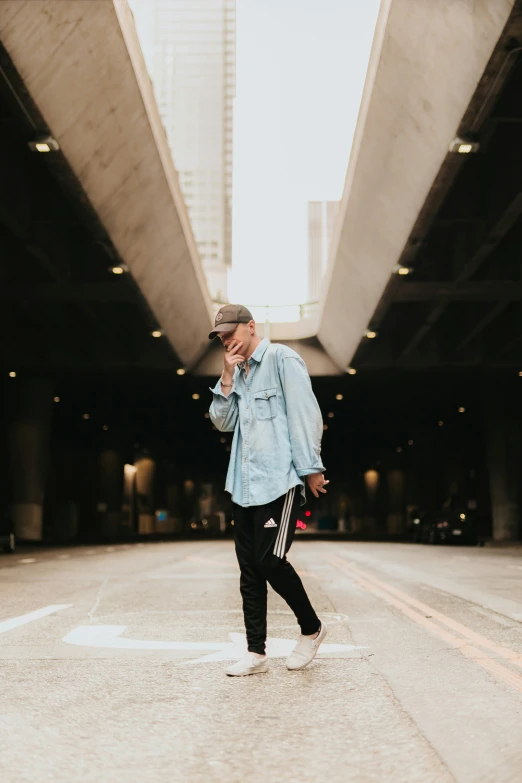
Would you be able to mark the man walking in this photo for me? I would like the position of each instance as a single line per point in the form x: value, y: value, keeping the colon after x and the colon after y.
x: 265, y: 397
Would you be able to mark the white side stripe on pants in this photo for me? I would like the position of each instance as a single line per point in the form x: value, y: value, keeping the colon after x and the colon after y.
x: 279, y: 548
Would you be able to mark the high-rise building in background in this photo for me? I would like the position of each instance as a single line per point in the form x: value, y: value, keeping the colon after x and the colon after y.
x: 321, y: 220
x: 190, y: 51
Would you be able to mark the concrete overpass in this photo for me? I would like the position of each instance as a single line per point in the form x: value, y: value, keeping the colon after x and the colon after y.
x: 435, y: 71
x: 74, y: 70
x: 109, y: 197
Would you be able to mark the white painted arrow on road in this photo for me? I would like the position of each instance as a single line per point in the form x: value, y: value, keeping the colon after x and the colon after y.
x: 23, y: 619
x: 109, y: 637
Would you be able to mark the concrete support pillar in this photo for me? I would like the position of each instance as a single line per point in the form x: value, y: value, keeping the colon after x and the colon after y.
x: 110, y: 492
x: 395, y: 519
x: 28, y: 447
x: 504, y: 458
x: 371, y: 483
x: 145, y: 481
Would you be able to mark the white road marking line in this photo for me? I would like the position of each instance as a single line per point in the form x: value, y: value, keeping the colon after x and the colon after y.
x: 109, y: 636
x: 28, y: 560
x: 16, y: 622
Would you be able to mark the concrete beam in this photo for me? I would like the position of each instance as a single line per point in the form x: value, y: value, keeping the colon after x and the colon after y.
x: 426, y: 62
x: 82, y: 64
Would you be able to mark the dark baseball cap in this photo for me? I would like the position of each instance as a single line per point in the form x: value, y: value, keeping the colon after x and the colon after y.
x: 228, y: 318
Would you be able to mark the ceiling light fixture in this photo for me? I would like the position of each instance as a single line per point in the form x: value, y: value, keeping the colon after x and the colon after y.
x: 440, y: 423
x: 119, y: 269
x: 402, y: 270
x: 339, y: 397
x: 181, y: 371
x: 464, y: 146
x: 12, y: 374
x: 353, y: 371
x: 195, y: 396
x: 105, y: 427
x: 86, y: 416
x: 462, y: 410
x: 44, y: 144
x: 370, y: 334
x: 331, y: 415
x: 57, y: 399
x: 157, y: 333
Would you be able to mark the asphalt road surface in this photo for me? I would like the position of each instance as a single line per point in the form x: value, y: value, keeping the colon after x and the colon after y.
x: 112, y: 667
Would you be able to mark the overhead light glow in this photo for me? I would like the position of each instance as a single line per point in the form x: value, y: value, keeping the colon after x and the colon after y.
x: 207, y: 415
x: 181, y: 371
x: 44, y: 144
x: 440, y: 423
x: 57, y: 399
x: 353, y: 371
x: 402, y: 270
x: 463, y: 517
x: 399, y: 449
x: 462, y: 410
x: 157, y: 333
x: 195, y: 396
x: 370, y: 334
x: 464, y: 146
x: 410, y: 443
x: 86, y: 416
x: 325, y: 427
x: 12, y: 374
x: 339, y: 397
x: 331, y: 415
x: 105, y: 427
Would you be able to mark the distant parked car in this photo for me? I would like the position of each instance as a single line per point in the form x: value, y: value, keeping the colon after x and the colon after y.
x: 455, y: 526
x: 7, y: 536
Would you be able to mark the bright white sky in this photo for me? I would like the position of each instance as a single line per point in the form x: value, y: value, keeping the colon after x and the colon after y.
x: 301, y: 66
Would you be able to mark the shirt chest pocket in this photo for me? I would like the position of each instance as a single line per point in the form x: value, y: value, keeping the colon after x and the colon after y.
x: 265, y: 404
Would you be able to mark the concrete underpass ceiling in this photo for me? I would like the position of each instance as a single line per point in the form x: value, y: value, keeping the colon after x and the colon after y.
x: 421, y: 90
x: 81, y: 63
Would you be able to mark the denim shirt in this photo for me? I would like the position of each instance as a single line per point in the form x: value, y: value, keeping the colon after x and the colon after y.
x: 277, y: 426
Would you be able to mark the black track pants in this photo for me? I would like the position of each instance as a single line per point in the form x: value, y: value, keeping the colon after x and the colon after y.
x: 263, y: 535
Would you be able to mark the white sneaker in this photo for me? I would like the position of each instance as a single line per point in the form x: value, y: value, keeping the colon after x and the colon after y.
x: 305, y: 650
x: 249, y: 664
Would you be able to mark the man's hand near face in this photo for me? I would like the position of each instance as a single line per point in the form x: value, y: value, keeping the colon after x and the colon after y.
x: 231, y: 358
